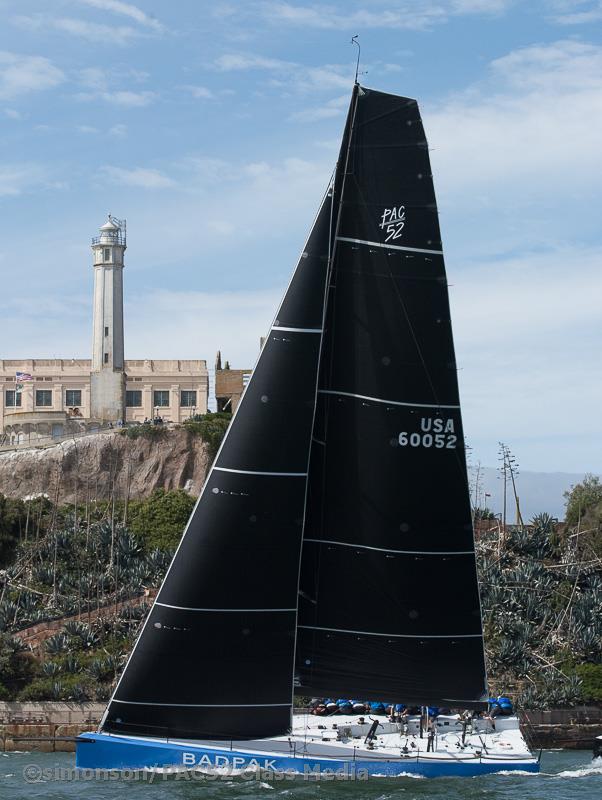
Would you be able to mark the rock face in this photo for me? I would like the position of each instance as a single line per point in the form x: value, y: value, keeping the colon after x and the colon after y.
x: 100, y: 463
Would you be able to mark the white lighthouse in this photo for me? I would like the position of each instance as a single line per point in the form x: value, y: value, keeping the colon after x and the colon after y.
x: 107, y: 379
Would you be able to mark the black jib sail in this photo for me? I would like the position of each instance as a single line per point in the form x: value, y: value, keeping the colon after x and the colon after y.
x: 216, y: 656
x: 388, y: 602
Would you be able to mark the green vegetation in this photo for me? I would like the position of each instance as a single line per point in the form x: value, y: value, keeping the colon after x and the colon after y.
x: 211, y: 427
x: 147, y: 431
x: 542, y: 604
x: 584, y: 500
x: 541, y: 593
x: 591, y: 681
x: 158, y: 522
x: 12, y: 522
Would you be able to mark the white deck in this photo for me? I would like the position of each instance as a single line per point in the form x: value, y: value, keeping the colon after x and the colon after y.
x: 340, y: 736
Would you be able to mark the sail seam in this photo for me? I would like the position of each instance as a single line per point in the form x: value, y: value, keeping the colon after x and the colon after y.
x: 271, y: 474
x: 296, y: 330
x: 398, y: 635
x: 202, y: 705
x: 381, y: 400
x: 390, y: 246
x: 404, y: 552
x: 191, y: 608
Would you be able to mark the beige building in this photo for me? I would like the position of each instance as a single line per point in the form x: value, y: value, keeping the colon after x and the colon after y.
x: 229, y: 384
x: 58, y: 397
x: 57, y: 401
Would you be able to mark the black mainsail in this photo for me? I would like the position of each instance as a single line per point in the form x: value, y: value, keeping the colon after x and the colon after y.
x: 331, y: 548
x: 389, y: 605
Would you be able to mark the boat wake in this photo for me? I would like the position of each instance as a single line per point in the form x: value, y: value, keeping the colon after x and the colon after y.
x: 595, y: 768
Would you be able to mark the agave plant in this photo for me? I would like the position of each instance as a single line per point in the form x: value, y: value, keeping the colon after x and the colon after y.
x: 58, y: 643
x: 71, y: 664
x: 9, y: 614
x: 57, y: 690
x: 51, y: 669
x: 103, y: 692
x: 79, y: 693
x: 103, y: 669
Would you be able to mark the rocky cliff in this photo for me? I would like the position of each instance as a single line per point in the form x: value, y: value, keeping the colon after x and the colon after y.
x: 99, y: 463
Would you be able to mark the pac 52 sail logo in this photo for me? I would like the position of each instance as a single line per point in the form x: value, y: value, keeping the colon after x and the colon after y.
x: 392, y: 222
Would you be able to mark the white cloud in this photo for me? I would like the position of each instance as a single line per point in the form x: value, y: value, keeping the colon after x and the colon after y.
x: 97, y: 32
x: 21, y: 74
x: 200, y: 92
x: 118, y: 130
x: 86, y: 129
x: 531, y: 129
x: 333, y: 108
x: 189, y: 324
x: 289, y: 74
x: 12, y: 113
x: 572, y: 14
x: 127, y: 98
x: 242, y: 61
x: 401, y: 15
x: 126, y: 10
x: 527, y: 333
x: 124, y: 98
x: 139, y: 176
x: 15, y: 179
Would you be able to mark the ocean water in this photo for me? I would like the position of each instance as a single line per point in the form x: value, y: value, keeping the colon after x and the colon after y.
x: 565, y: 775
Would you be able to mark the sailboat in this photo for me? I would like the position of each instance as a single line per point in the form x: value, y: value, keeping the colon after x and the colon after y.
x: 331, y: 551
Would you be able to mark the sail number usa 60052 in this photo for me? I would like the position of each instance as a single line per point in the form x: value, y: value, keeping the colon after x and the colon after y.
x: 434, y: 432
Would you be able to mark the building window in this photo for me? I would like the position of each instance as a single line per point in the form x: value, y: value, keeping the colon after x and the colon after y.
x: 73, y: 397
x: 106, y: 358
x: 107, y: 254
x: 12, y: 398
x: 133, y: 399
x: 188, y: 398
x: 43, y: 397
x: 161, y: 398
x: 106, y: 331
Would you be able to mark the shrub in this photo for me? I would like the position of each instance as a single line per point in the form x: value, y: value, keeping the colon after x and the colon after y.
x: 152, y: 432
x: 159, y: 521
x: 591, y: 681
x: 211, y: 428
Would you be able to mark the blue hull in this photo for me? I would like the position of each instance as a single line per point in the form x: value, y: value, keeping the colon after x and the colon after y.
x: 99, y: 751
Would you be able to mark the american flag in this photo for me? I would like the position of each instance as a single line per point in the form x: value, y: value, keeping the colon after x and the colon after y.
x: 23, y: 376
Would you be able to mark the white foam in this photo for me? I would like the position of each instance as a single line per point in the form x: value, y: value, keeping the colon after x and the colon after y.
x: 399, y: 775
x: 595, y: 768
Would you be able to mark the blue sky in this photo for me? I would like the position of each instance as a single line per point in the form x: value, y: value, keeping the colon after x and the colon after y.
x: 213, y: 128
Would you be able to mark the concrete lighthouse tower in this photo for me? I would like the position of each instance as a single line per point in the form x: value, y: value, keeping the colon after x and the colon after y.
x: 107, y: 379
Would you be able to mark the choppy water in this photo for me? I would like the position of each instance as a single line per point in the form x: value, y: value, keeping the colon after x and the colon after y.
x: 564, y: 775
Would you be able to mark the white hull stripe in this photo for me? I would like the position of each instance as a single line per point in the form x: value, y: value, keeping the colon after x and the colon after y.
x: 389, y: 246
x: 396, y: 635
x: 296, y: 330
x: 203, y: 705
x: 403, y: 552
x: 189, y: 608
x: 273, y: 474
x: 380, y: 400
